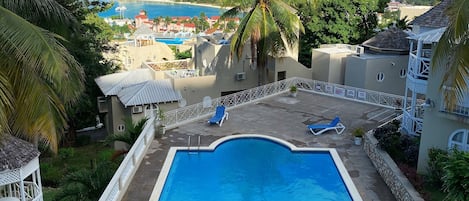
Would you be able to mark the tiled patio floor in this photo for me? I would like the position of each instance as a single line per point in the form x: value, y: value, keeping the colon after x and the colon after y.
x: 286, y: 118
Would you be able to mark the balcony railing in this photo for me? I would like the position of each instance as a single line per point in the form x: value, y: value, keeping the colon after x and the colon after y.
x: 413, y: 125
x: 31, y: 191
x: 419, y: 67
x: 121, y: 179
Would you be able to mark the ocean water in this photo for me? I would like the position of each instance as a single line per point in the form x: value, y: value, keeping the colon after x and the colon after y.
x: 155, y: 9
x: 254, y: 169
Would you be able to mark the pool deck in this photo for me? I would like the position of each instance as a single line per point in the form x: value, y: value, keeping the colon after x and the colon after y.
x: 286, y: 118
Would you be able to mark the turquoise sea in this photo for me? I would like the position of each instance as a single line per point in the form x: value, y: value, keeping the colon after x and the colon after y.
x: 155, y: 9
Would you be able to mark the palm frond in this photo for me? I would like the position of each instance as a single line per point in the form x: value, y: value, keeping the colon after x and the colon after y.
x: 5, y: 102
x: 33, y: 10
x: 248, y: 29
x: 38, y: 49
x: 451, y: 55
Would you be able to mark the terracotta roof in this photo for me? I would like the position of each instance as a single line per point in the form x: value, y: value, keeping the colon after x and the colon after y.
x: 434, y: 17
x: 392, y: 39
x: 15, y: 152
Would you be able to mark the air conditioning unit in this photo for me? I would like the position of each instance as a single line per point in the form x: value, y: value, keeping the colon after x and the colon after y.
x: 360, y: 50
x: 241, y: 76
x: 137, y: 109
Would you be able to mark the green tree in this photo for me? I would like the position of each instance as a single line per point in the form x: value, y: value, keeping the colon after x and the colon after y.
x: 39, y: 77
x: 451, y: 53
x: 88, y: 40
x: 271, y: 27
x: 201, y: 23
x: 329, y: 22
x: 167, y: 21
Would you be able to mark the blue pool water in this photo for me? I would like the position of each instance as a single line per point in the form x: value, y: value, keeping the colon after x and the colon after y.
x: 175, y: 41
x: 253, y: 169
x: 155, y: 9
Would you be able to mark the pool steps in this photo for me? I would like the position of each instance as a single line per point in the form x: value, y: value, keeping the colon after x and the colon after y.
x: 189, y: 145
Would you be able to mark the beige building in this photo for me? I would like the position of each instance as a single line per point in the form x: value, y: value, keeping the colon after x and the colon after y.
x: 412, y: 11
x: 382, y: 66
x: 134, y: 94
x: 328, y: 62
x: 168, y: 85
x: 437, y: 125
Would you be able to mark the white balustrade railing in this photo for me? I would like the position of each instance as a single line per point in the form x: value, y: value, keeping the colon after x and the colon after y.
x: 169, y: 65
x: 413, y: 125
x: 352, y: 93
x: 122, y: 178
x: 419, y: 67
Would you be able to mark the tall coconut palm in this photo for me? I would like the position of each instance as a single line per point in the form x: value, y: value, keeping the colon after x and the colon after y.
x: 271, y: 27
x: 452, y: 52
x: 38, y: 77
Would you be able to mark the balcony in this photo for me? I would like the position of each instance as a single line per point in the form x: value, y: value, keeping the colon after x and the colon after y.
x: 460, y: 109
x: 419, y: 67
x: 412, y: 124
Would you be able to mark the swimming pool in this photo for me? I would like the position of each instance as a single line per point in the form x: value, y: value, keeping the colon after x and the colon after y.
x: 253, y: 167
x: 172, y: 41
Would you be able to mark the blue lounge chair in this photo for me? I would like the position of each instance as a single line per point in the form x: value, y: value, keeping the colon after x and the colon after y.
x: 219, y: 117
x: 318, y: 129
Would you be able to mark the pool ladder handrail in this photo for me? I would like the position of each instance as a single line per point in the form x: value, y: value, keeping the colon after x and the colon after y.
x: 189, y: 145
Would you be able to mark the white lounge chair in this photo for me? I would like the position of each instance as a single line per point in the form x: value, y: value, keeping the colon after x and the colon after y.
x: 318, y: 129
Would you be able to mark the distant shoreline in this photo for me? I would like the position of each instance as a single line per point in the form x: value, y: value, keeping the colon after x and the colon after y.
x: 185, y: 3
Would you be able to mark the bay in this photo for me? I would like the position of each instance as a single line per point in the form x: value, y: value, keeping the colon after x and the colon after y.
x: 155, y: 9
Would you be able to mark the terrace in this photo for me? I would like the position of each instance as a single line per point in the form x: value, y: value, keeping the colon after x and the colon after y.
x: 267, y: 110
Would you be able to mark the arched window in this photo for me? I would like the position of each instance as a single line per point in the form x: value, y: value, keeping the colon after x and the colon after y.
x: 459, y: 140
x: 402, y: 73
x: 380, y: 76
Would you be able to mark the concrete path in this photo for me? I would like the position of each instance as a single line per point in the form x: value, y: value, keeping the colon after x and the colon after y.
x: 286, y: 118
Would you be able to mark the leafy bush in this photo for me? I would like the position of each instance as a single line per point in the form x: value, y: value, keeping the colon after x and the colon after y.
x: 66, y: 153
x: 436, y: 164
x: 50, y: 175
x: 456, y: 176
x: 184, y: 55
x: 402, y: 148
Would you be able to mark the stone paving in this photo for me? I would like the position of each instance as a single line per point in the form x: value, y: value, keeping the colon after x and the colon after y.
x: 283, y: 117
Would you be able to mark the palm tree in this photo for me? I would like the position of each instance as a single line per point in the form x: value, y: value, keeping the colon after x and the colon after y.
x: 87, y: 184
x: 271, y: 27
x: 131, y: 133
x: 38, y: 76
x: 452, y: 52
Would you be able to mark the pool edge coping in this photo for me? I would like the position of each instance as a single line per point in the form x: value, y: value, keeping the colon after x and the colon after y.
x: 159, y: 185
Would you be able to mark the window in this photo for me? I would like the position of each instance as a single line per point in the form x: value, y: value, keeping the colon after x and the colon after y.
x: 380, y: 77
x: 459, y: 140
x: 121, y: 128
x: 403, y: 73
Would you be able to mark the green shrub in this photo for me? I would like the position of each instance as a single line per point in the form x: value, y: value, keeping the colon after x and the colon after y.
x: 436, y: 164
x: 456, y: 176
x: 66, y: 153
x: 82, y: 140
x: 402, y: 148
x: 106, y: 155
x: 50, y: 175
